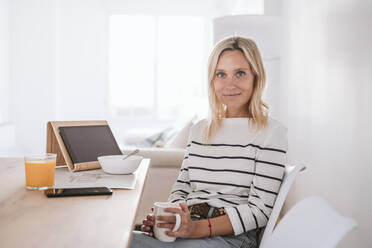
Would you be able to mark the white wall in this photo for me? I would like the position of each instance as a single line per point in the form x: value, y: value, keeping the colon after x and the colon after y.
x: 4, y: 60
x: 81, y: 57
x: 32, y: 71
x: 57, y: 64
x: 6, y: 128
x: 326, y: 98
x: 206, y: 8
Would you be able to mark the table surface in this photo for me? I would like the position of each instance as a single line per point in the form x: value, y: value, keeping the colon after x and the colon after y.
x: 29, y: 219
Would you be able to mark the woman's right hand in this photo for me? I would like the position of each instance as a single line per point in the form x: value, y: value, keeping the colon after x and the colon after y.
x: 149, y: 223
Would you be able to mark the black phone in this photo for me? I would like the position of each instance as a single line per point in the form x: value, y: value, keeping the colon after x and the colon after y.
x: 60, y: 192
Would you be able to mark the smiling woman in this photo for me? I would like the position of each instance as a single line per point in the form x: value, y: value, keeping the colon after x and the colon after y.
x: 231, y: 174
x: 236, y: 81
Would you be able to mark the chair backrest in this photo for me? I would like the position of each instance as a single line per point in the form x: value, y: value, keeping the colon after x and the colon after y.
x: 288, y: 179
x: 313, y: 222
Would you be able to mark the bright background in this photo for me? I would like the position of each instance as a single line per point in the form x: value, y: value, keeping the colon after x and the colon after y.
x: 60, y: 60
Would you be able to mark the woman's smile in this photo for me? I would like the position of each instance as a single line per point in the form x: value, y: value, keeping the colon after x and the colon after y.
x: 232, y: 94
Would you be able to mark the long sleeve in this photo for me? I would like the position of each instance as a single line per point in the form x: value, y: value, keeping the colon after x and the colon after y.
x: 181, y: 187
x: 270, y: 163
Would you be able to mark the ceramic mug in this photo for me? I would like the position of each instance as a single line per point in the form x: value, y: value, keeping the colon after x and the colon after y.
x: 159, y: 232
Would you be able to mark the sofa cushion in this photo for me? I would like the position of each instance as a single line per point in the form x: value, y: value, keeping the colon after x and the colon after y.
x: 135, y: 136
x: 161, y: 157
x: 179, y: 140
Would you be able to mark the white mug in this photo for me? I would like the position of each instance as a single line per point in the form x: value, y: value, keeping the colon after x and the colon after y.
x: 159, y: 232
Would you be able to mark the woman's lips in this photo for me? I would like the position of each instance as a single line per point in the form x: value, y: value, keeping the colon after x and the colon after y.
x: 236, y: 94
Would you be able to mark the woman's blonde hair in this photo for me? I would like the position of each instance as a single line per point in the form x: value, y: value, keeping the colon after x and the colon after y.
x: 257, y: 110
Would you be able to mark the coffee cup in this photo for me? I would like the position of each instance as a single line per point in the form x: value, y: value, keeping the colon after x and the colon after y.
x: 160, y: 232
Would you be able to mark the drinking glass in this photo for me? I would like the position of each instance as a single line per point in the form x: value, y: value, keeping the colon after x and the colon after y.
x: 40, y: 170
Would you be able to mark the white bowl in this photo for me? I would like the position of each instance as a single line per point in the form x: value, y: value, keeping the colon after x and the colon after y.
x: 114, y: 164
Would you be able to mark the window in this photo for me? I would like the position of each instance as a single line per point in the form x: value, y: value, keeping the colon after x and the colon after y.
x: 157, y: 66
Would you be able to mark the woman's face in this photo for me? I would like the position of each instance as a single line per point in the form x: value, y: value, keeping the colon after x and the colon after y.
x: 233, y: 83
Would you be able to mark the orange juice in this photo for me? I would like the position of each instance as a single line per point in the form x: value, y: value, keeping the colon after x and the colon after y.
x: 39, y: 172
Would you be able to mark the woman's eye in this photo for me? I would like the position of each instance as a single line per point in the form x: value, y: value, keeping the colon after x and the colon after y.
x: 220, y: 74
x: 240, y: 74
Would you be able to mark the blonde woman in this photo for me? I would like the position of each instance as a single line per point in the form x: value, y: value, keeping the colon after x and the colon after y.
x: 235, y: 160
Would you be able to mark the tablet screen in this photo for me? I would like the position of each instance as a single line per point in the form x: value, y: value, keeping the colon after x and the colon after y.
x: 86, y: 143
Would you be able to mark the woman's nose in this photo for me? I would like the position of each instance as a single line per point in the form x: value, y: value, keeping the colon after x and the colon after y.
x: 230, y: 81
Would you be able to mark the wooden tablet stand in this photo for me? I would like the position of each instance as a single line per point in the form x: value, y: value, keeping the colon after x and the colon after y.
x: 55, y: 144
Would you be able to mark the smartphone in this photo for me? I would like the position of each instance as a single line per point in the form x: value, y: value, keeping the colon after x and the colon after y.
x: 60, y: 192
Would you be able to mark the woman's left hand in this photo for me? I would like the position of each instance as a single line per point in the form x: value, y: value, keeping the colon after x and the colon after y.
x: 187, y: 226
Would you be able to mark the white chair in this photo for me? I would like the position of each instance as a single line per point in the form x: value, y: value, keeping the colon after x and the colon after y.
x: 288, y: 179
x: 313, y: 222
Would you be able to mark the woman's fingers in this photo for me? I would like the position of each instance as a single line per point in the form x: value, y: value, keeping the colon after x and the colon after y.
x: 169, y: 219
x: 184, y: 207
x: 145, y: 228
x: 173, y: 210
x: 187, y: 224
x: 150, y: 217
x: 148, y: 222
x: 165, y: 225
x: 171, y: 234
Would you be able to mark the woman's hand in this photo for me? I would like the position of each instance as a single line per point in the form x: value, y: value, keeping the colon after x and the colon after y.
x: 187, y: 226
x: 148, y: 223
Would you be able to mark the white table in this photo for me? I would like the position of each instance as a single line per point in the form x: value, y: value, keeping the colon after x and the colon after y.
x: 29, y: 219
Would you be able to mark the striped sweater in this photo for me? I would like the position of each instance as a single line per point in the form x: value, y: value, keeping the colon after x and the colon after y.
x: 241, y: 170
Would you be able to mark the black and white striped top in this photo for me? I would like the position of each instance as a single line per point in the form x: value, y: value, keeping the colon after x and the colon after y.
x: 241, y: 169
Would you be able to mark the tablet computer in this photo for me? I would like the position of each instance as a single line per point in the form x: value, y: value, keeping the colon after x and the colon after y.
x: 86, y: 143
